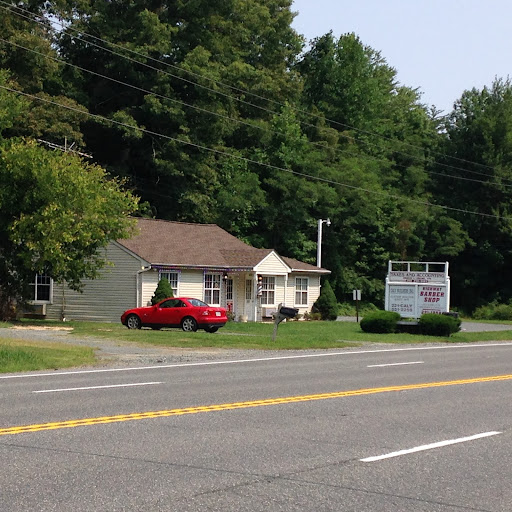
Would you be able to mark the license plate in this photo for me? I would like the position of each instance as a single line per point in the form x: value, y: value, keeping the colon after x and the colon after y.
x: 217, y: 313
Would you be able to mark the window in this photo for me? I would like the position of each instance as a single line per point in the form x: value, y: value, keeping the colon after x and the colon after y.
x: 301, y: 291
x: 41, y: 288
x: 268, y: 294
x: 172, y: 277
x: 212, y: 289
x: 248, y: 289
x: 229, y: 289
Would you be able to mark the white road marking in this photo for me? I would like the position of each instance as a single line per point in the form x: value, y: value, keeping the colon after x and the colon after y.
x: 429, y: 446
x: 98, y: 387
x: 255, y: 360
x: 393, y: 364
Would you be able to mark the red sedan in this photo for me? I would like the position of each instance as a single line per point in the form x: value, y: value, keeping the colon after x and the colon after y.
x: 189, y: 314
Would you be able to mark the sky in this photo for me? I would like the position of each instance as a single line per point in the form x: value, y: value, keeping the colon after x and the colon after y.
x: 442, y: 47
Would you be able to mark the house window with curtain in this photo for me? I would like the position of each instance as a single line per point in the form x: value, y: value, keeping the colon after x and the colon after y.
x: 268, y: 294
x: 42, y: 288
x: 172, y: 277
x: 301, y: 291
x: 212, y: 289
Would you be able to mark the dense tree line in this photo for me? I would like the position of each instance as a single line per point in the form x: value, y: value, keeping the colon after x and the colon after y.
x: 219, y: 112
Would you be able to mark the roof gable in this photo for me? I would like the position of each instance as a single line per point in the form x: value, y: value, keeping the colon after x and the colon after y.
x: 169, y: 243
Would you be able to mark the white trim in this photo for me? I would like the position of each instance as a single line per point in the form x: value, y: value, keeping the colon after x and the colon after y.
x: 34, y: 283
x: 219, y: 289
x: 273, y: 290
x: 178, y: 279
x: 301, y: 304
x: 274, y: 253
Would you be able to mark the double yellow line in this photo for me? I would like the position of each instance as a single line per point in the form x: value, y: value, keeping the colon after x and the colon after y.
x: 240, y: 405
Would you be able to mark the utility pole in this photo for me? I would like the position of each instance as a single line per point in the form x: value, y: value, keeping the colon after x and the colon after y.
x: 327, y: 222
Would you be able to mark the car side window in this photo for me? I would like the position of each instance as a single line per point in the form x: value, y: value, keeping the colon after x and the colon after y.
x: 171, y: 303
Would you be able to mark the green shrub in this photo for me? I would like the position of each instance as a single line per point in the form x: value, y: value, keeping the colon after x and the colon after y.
x: 433, y: 324
x: 380, y: 322
x: 326, y: 304
x: 163, y: 291
x: 493, y: 311
x: 349, y: 308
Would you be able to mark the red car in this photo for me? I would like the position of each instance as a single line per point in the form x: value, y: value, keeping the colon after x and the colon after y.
x: 189, y: 314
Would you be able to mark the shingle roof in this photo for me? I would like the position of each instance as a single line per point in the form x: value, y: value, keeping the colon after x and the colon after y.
x: 161, y: 242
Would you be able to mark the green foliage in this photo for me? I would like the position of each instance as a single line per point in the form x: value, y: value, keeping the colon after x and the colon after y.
x: 326, y: 304
x: 163, y: 291
x: 432, y: 324
x: 56, y: 214
x: 340, y: 137
x: 349, y: 308
x: 493, y: 311
x: 380, y: 322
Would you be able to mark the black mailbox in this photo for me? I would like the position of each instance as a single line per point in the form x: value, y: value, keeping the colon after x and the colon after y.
x: 288, y: 312
x: 282, y: 314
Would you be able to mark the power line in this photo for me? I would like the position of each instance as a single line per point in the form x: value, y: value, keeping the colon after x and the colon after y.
x: 240, y: 121
x: 69, y: 28
x: 251, y: 161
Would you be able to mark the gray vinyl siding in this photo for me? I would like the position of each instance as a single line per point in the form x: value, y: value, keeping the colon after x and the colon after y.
x: 103, y: 299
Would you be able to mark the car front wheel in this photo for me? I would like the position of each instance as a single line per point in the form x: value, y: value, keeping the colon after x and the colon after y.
x: 133, y: 322
x: 188, y: 324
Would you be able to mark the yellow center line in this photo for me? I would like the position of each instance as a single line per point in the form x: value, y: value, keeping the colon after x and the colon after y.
x: 240, y: 405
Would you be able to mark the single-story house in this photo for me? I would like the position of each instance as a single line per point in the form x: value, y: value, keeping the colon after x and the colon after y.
x: 200, y: 260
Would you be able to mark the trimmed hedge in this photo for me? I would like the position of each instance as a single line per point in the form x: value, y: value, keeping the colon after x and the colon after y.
x: 380, y: 322
x: 433, y: 324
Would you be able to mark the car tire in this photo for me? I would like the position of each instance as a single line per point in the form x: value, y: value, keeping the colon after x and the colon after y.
x: 212, y: 329
x: 133, y: 322
x: 188, y: 324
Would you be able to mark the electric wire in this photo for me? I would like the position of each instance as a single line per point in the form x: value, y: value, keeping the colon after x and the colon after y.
x: 255, y: 162
x: 240, y: 121
x: 32, y: 19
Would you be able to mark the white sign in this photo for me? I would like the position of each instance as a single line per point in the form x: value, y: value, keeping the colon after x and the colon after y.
x: 356, y: 294
x: 417, y: 277
x: 413, y: 293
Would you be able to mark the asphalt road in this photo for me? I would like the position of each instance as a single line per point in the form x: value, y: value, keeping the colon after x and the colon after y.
x: 424, y: 428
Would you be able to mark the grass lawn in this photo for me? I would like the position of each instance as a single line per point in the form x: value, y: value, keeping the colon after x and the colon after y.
x: 20, y: 355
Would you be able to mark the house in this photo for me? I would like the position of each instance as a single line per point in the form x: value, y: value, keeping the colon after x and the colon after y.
x: 200, y: 260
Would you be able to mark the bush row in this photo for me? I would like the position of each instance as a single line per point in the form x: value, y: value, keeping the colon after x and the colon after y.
x: 430, y: 324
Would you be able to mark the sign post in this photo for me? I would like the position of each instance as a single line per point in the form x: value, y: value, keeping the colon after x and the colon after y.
x: 356, y: 295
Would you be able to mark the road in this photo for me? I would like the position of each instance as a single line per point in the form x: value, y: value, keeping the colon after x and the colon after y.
x: 425, y: 428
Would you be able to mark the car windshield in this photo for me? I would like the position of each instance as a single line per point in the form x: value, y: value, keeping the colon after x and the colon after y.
x: 197, y: 302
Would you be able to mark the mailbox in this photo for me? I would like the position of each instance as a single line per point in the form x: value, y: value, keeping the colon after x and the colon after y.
x: 288, y: 312
x: 282, y: 314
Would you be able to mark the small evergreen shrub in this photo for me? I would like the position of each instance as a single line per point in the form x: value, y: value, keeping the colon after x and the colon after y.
x: 326, y: 304
x: 380, y: 322
x: 432, y: 324
x: 163, y: 291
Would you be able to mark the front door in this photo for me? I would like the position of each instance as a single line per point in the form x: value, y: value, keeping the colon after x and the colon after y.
x: 249, y: 299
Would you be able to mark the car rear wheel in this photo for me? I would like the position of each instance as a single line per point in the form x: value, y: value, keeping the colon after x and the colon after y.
x: 212, y: 329
x: 188, y: 324
x: 133, y: 322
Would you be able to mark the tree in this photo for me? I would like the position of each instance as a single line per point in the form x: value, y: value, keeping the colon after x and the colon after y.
x: 163, y: 291
x: 56, y: 214
x: 479, y: 157
x: 187, y: 50
x: 326, y: 304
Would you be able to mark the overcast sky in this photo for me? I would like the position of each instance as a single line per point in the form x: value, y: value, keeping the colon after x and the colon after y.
x: 443, y: 47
